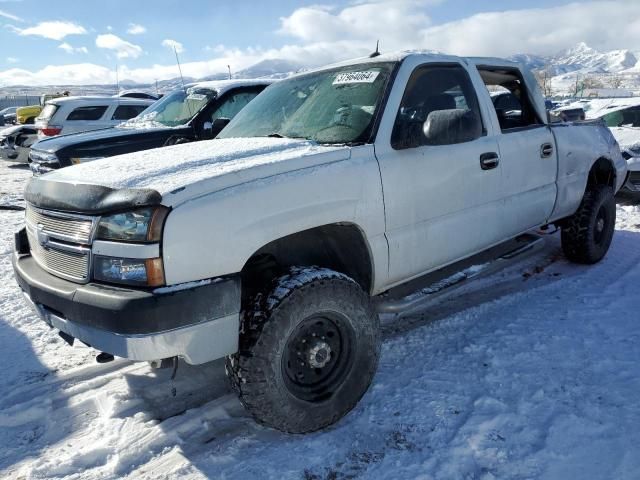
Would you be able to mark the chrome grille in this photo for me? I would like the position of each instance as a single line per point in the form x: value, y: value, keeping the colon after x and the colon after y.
x: 72, y: 265
x: 60, y: 242
x: 73, y: 229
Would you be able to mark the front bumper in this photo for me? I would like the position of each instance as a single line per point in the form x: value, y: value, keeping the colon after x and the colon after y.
x: 199, y: 324
x: 14, y: 153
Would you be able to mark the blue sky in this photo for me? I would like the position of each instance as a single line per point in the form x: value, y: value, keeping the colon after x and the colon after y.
x: 82, y: 42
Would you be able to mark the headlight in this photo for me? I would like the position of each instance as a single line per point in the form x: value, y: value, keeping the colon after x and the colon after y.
x: 142, y: 225
x: 42, y: 157
x: 147, y: 272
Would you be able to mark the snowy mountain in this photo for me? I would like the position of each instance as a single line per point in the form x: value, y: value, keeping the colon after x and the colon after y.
x: 583, y: 62
x: 580, y: 61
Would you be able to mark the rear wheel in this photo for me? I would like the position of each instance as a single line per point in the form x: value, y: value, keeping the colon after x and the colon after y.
x: 309, y: 349
x: 587, y: 235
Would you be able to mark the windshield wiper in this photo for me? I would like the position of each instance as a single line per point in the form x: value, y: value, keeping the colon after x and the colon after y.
x: 279, y: 135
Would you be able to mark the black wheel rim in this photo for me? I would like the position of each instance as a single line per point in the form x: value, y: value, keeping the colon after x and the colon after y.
x: 318, y: 356
x: 600, y: 226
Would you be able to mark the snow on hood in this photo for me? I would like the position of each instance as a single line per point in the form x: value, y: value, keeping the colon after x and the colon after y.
x: 171, y: 168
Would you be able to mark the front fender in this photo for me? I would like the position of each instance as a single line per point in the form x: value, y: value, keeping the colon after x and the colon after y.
x: 216, y: 234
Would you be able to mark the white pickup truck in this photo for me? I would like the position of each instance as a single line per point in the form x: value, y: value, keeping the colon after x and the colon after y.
x: 272, y: 244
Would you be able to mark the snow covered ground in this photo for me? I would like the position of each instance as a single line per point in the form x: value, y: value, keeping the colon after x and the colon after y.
x: 532, y: 372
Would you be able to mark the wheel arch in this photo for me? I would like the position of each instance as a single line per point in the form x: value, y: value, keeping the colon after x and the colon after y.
x: 602, y: 172
x: 342, y: 247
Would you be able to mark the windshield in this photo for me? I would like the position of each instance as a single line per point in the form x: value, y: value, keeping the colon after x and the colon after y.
x: 331, y: 106
x: 174, y: 109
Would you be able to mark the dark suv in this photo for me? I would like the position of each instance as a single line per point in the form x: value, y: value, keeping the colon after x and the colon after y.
x: 197, y: 112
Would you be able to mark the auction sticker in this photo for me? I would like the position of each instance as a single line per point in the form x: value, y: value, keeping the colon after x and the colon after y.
x: 355, y: 77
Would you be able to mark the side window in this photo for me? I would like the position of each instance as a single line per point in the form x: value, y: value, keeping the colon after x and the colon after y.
x: 127, y: 112
x: 233, y: 104
x: 507, y: 102
x: 87, y: 113
x: 439, y: 107
x: 631, y: 117
x: 514, y: 108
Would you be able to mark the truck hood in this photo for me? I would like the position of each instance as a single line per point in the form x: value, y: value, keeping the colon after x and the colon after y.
x: 185, y: 171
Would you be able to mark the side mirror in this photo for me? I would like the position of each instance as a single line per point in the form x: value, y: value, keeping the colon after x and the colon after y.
x: 212, y: 129
x: 447, y: 127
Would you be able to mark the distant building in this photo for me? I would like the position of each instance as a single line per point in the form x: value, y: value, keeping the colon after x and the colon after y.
x: 606, y: 93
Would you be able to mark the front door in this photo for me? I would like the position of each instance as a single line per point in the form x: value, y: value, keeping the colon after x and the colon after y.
x: 442, y: 191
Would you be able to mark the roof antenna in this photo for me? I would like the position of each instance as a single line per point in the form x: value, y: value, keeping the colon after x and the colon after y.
x: 229, y: 68
x: 179, y: 67
x: 377, y: 52
x: 182, y: 79
x: 117, y: 81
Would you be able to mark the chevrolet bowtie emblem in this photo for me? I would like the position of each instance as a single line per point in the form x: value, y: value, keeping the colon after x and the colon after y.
x: 43, y: 238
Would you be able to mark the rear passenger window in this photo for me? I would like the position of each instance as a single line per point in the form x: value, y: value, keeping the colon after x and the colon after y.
x: 439, y: 107
x: 510, y: 98
x: 87, y: 113
x: 127, y: 112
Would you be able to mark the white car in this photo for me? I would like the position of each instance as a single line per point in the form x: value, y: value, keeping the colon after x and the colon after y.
x: 622, y: 116
x: 278, y: 243
x: 66, y: 115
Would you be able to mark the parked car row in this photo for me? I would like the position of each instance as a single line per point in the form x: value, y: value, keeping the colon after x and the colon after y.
x: 332, y: 196
x: 8, y: 116
x: 80, y: 127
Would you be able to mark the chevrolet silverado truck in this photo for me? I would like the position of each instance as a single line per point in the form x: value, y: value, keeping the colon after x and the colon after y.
x: 198, y: 112
x: 274, y: 244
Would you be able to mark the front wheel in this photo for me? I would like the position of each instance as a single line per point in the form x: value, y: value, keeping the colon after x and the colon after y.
x: 308, y: 351
x: 587, y: 235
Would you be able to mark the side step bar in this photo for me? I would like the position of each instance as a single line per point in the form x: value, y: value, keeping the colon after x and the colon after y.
x: 432, y: 285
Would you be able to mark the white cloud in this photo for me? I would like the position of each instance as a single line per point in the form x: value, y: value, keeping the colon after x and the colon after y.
x: 78, y: 74
x: 601, y: 24
x: 54, y: 30
x: 394, y: 22
x: 122, y: 48
x: 69, y: 49
x: 12, y: 60
x: 136, y: 29
x: 322, y: 35
x: 173, y: 45
x: 10, y: 16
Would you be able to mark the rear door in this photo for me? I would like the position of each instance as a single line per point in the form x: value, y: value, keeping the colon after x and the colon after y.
x: 527, y: 151
x: 122, y: 113
x: 442, y: 196
x: 85, y: 117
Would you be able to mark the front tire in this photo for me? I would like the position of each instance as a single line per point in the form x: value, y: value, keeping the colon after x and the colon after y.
x: 587, y: 235
x: 309, y: 349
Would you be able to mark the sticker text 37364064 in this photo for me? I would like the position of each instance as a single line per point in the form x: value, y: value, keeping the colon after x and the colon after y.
x: 355, y: 77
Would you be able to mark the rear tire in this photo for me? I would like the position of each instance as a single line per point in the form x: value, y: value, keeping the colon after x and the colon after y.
x: 587, y: 235
x: 309, y: 349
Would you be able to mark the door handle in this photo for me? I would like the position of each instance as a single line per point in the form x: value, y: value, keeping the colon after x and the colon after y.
x: 489, y: 160
x: 546, y: 150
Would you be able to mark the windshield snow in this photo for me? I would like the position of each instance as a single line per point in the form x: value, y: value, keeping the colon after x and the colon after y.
x: 331, y: 106
x: 173, y: 110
